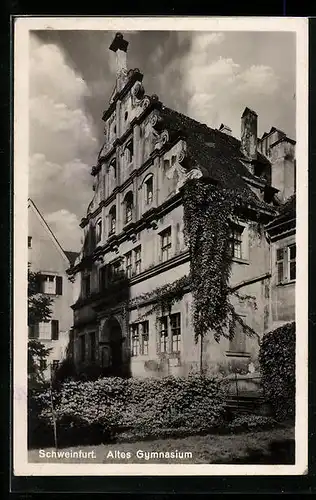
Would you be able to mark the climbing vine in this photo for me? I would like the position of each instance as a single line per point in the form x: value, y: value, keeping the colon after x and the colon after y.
x: 209, y: 212
x: 164, y: 297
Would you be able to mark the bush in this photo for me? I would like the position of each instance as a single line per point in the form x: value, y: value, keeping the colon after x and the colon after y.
x: 244, y: 423
x: 277, y: 364
x: 97, y: 411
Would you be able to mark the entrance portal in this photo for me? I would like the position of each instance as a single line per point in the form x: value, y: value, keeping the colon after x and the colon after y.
x: 111, y: 348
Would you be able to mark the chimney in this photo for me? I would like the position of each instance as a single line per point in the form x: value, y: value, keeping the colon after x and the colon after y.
x: 249, y: 134
x: 225, y: 129
x: 119, y: 46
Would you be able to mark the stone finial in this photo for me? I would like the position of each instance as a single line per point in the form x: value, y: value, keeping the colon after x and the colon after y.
x: 119, y: 43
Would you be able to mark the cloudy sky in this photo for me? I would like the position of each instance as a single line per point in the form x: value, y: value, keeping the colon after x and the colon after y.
x: 210, y: 76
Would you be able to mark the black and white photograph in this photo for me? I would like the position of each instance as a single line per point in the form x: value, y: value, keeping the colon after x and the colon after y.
x: 160, y: 272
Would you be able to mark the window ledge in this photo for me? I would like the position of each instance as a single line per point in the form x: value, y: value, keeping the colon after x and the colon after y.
x: 241, y: 261
x: 285, y: 283
x: 237, y: 354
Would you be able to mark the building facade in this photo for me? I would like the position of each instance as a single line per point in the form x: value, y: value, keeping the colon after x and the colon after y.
x: 133, y: 234
x: 47, y: 257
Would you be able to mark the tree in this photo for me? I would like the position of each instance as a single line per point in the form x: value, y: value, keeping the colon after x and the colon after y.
x: 39, y: 309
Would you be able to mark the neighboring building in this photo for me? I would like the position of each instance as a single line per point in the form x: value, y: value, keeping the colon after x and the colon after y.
x: 46, y: 256
x: 133, y: 233
x: 282, y: 234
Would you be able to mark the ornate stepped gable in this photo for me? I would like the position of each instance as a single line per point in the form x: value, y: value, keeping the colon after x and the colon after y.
x: 206, y: 153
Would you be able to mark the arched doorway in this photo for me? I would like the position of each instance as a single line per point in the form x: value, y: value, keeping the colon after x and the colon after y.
x: 111, y: 348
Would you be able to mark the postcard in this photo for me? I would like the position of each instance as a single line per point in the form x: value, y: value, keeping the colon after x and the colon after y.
x: 160, y: 246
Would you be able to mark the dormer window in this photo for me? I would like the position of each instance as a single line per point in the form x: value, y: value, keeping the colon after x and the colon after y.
x: 128, y: 202
x: 148, y: 184
x: 129, y: 152
x: 112, y: 220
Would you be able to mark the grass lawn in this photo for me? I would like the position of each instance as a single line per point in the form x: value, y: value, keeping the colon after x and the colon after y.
x: 275, y: 446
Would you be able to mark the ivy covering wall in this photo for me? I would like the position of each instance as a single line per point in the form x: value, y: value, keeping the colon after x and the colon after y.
x: 208, y: 214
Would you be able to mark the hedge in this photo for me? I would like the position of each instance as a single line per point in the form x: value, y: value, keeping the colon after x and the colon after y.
x: 98, y: 411
x: 277, y: 365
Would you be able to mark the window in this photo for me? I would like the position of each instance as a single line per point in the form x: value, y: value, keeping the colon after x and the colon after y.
x: 286, y: 263
x: 99, y: 231
x: 86, y: 285
x: 135, y: 340
x: 113, y: 168
x: 163, y: 334
x: 173, y: 159
x: 144, y: 337
x: 45, y: 330
x: 292, y: 262
x: 29, y: 241
x: 125, y: 115
x: 170, y: 333
x: 280, y: 253
x: 139, y: 338
x: 129, y: 152
x: 103, y: 277
x: 49, y: 285
x: 115, y: 269
x: 82, y: 343
x: 166, y: 244
x: 128, y: 201
x: 149, y: 190
x: 238, y: 342
x: 128, y: 264
x: 138, y: 260
x: 112, y: 217
x: 166, y: 165
x: 92, y: 347
x: 235, y: 242
x: 175, y: 332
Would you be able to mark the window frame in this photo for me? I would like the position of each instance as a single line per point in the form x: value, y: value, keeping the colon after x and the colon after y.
x: 166, y: 334
x: 129, y: 151
x: 149, y: 198
x: 137, y: 261
x: 166, y: 247
x: 139, y: 338
x: 98, y: 231
x: 48, y: 278
x: 284, y: 263
x: 128, y: 207
x: 48, y: 330
x: 291, y: 261
x: 236, y: 242
x: 112, y: 220
x: 129, y: 264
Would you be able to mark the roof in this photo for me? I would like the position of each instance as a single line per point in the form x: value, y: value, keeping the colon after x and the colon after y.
x: 71, y: 256
x: 32, y: 205
x: 217, y: 154
x: 287, y: 213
